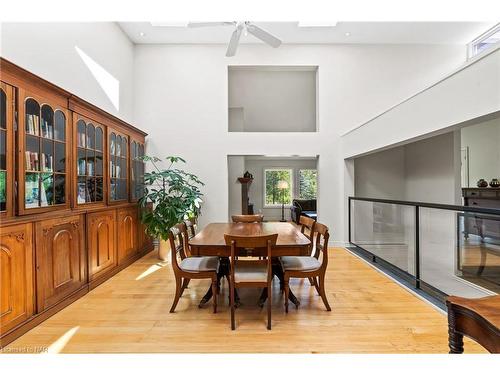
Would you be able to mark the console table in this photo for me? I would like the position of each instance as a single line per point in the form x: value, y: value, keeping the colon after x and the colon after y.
x: 478, y: 319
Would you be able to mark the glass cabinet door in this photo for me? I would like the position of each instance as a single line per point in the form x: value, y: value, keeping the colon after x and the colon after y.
x: 89, y: 162
x: 118, y: 173
x: 44, y: 180
x: 6, y: 148
x: 136, y: 170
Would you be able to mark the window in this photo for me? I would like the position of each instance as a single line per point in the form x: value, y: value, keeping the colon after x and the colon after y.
x: 308, y: 183
x: 485, y: 41
x: 278, y: 187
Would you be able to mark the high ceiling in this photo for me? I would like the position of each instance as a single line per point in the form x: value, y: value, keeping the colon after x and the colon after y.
x: 290, y: 32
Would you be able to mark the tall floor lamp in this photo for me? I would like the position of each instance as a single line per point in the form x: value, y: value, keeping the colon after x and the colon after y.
x: 282, y: 185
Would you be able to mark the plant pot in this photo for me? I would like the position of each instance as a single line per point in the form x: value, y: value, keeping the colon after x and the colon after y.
x: 163, y: 250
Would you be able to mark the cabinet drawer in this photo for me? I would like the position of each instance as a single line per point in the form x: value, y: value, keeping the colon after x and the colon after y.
x: 485, y: 203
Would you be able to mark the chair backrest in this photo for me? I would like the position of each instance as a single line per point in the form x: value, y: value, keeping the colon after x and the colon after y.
x: 188, y: 233
x: 253, y: 242
x: 247, y: 218
x: 190, y: 225
x: 176, y: 234
x: 321, y: 237
x: 307, y: 223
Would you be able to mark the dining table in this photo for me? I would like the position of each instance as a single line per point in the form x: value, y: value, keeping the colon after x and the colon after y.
x: 290, y: 242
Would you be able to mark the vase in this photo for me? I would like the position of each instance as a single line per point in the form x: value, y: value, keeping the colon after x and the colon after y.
x: 482, y: 183
x: 163, y: 250
x: 495, y: 183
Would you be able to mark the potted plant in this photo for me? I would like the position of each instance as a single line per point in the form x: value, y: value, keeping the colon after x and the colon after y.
x: 175, y: 196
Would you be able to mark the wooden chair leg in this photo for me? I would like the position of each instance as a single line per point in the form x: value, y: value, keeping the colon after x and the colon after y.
x: 287, y: 293
x: 185, y: 284
x: 178, y: 288
x: 231, y: 302
x: 269, y: 301
x: 316, y: 285
x: 214, y: 293
x: 322, y: 292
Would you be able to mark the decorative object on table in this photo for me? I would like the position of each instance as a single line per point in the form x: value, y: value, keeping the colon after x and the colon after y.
x: 175, y: 195
x: 482, y: 183
x: 247, y: 175
x: 495, y: 183
x: 282, y: 185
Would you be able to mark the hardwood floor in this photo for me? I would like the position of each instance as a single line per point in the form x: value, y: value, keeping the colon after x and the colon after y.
x: 129, y: 313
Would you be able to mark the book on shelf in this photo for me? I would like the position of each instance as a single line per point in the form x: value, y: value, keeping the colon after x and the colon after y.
x: 32, y: 122
x: 81, y: 167
x: 81, y: 140
x: 46, y: 130
x: 47, y: 163
x: 31, y: 161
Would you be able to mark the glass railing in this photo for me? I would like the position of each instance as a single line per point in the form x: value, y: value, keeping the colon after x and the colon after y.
x: 441, y: 249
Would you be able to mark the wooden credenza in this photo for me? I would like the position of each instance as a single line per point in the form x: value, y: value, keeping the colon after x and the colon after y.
x: 69, y: 184
x: 481, y: 224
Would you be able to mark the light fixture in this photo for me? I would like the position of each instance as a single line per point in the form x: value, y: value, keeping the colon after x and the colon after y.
x: 142, y: 33
x: 347, y: 34
x: 282, y: 185
x: 170, y: 24
x: 317, y: 23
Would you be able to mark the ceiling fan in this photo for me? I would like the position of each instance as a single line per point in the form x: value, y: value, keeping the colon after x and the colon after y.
x: 241, y: 27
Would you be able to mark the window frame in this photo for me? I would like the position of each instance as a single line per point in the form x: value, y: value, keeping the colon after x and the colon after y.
x: 292, y: 185
x: 472, y: 45
x: 298, y: 182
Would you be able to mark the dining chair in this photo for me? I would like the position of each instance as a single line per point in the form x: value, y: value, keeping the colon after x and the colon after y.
x: 251, y: 273
x: 189, y: 233
x: 190, y: 267
x: 308, y: 223
x: 247, y: 218
x: 309, y: 266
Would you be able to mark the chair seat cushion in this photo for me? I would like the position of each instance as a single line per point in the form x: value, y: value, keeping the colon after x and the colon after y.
x: 246, y: 271
x: 199, y: 264
x: 304, y: 263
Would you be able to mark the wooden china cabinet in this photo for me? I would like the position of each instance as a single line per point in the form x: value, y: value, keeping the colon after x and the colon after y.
x: 69, y: 185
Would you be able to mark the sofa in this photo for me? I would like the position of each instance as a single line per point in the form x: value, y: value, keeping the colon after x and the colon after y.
x: 306, y: 207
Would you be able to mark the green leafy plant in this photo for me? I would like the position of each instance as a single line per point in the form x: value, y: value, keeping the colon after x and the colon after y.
x: 174, y: 193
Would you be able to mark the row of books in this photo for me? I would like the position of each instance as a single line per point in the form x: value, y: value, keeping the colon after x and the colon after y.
x: 33, y: 127
x: 116, y: 171
x: 33, y: 163
x: 81, y: 168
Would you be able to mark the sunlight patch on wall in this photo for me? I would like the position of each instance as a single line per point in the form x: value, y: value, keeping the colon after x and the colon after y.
x: 109, y: 84
x: 58, y: 345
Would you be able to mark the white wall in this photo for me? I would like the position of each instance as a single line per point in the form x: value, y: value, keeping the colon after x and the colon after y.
x: 181, y: 100
x: 381, y: 175
x: 48, y: 50
x: 279, y: 99
x: 483, y: 142
x: 235, y: 169
x: 423, y: 171
x: 467, y: 94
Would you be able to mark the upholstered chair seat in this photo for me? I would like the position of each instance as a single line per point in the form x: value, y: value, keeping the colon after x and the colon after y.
x: 200, y: 264
x: 250, y: 271
x: 303, y: 263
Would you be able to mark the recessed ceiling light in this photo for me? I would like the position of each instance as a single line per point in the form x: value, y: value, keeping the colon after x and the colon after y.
x: 169, y: 24
x: 347, y: 34
x: 317, y: 23
x: 142, y: 33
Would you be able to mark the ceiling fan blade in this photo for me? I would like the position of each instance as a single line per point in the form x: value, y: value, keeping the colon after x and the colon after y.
x: 263, y: 35
x: 235, y: 40
x: 210, y: 24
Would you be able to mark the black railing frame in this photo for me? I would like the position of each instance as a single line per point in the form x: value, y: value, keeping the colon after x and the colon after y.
x: 413, y: 279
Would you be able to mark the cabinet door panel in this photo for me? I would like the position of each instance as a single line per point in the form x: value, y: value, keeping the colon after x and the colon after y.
x: 101, y: 233
x: 127, y: 234
x: 16, y: 267
x: 60, y: 259
x: 142, y: 237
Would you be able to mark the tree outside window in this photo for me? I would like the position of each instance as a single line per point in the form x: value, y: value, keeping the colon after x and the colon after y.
x: 273, y: 195
x: 308, y: 183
